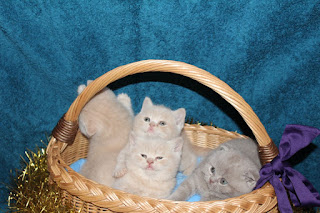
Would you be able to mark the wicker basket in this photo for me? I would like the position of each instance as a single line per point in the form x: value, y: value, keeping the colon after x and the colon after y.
x: 67, y: 145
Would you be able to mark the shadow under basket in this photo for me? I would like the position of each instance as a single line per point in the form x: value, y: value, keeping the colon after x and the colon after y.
x: 67, y: 145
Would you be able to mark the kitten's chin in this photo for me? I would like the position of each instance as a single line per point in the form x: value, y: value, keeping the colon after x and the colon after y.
x: 150, y: 169
x: 151, y: 134
x: 150, y: 172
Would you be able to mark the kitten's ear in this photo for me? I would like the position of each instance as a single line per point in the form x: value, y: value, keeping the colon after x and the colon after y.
x: 223, y: 147
x: 146, y: 103
x: 88, y: 127
x: 180, y: 115
x: 178, y: 144
x: 251, y: 177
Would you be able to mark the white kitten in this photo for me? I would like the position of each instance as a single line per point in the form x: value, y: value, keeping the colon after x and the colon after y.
x: 152, y: 165
x: 158, y: 121
x: 106, y: 120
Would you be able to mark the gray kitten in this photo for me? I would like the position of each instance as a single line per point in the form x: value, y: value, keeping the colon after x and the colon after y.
x: 230, y: 170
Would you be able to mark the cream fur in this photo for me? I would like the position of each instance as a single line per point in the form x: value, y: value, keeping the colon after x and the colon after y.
x: 157, y: 182
x: 106, y: 121
x: 152, y: 128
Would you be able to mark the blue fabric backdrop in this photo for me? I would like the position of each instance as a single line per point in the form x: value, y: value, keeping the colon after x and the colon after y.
x: 268, y: 51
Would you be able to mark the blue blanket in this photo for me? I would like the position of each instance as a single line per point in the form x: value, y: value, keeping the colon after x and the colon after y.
x: 268, y: 51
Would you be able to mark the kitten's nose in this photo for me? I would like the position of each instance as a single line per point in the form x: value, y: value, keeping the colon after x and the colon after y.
x: 150, y: 161
x: 152, y: 124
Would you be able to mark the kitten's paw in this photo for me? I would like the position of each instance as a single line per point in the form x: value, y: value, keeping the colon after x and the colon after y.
x: 81, y: 88
x: 120, y: 172
x: 125, y: 100
x: 174, y: 197
x: 89, y: 82
x: 188, y: 171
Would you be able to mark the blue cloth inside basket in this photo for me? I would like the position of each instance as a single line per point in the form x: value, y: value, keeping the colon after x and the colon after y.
x: 76, y: 166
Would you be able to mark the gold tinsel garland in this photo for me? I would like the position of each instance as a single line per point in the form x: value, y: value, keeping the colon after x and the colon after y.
x: 31, y: 191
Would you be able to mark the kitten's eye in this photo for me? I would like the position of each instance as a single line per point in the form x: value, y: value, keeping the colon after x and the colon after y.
x: 159, y: 158
x: 223, y: 181
x: 212, y: 170
x: 143, y: 155
x: 162, y: 123
x: 147, y: 119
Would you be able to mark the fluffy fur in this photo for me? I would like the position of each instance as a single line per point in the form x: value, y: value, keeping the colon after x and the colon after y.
x: 152, y: 166
x: 230, y: 170
x: 158, y: 121
x: 106, y: 121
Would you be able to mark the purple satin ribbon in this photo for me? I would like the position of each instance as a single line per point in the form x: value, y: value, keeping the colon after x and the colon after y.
x: 301, y: 191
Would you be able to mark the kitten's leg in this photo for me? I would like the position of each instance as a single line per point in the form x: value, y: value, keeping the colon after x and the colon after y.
x: 81, y: 88
x: 188, y: 157
x: 125, y: 100
x: 185, y: 190
x: 121, y: 168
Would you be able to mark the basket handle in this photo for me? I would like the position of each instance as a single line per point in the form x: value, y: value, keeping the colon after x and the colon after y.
x: 69, y: 121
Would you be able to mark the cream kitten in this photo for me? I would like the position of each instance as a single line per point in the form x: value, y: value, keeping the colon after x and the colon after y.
x: 152, y: 166
x: 230, y: 170
x: 158, y: 121
x: 106, y: 120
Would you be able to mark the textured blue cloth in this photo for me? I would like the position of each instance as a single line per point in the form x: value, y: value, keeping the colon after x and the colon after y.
x: 268, y: 51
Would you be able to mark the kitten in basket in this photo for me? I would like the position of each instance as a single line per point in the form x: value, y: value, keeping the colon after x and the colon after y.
x: 158, y: 121
x: 230, y: 170
x: 152, y: 166
x: 106, y: 120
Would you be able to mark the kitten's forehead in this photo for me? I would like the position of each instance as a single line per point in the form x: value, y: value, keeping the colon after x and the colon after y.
x: 226, y: 158
x: 230, y: 162
x: 158, y: 112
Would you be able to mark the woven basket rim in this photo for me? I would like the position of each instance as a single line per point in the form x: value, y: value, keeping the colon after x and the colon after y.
x: 115, y: 200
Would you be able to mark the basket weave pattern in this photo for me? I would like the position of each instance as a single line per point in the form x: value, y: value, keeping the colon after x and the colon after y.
x: 68, y: 145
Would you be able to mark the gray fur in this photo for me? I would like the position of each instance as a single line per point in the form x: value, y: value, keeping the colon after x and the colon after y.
x: 236, y: 161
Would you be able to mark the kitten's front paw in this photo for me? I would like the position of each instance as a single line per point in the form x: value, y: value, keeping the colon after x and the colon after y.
x: 173, y: 197
x: 187, y: 167
x: 125, y: 100
x: 81, y: 88
x: 120, y: 172
x: 188, y: 171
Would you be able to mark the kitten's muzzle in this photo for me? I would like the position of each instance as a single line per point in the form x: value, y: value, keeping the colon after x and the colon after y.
x: 150, y: 161
x: 152, y: 124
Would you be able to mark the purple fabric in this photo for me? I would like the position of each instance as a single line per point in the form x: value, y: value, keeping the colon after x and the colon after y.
x: 301, y: 191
